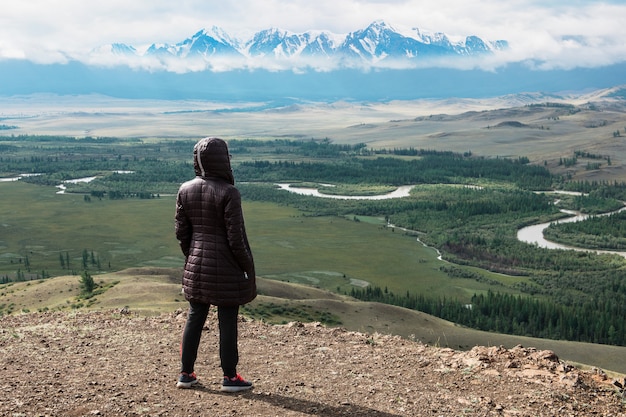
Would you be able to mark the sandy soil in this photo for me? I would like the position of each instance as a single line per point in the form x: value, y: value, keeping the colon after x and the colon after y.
x: 113, y: 364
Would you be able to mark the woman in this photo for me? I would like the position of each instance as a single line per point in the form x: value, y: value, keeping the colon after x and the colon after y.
x: 219, y: 268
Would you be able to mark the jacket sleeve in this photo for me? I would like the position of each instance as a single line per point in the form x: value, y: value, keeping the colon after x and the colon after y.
x: 182, y: 225
x: 236, y: 232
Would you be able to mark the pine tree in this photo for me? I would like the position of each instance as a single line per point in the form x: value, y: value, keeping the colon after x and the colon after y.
x: 87, y: 283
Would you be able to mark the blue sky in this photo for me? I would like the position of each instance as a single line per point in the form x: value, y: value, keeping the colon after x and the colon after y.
x: 554, y: 34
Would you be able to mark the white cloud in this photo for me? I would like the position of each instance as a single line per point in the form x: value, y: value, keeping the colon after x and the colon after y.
x: 563, y: 34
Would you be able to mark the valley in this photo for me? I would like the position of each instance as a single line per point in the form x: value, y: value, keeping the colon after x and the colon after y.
x: 476, y: 164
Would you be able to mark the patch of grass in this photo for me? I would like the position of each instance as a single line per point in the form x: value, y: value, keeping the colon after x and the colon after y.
x: 283, y: 313
x: 99, y: 289
x: 356, y: 189
x: 140, y: 289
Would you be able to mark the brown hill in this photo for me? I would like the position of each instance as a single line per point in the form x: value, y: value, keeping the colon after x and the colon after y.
x: 105, y: 363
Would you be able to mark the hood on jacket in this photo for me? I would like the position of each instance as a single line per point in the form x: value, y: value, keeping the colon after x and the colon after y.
x: 211, y: 159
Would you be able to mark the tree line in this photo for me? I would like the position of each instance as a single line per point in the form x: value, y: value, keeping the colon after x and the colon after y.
x: 429, y: 169
x: 595, y: 321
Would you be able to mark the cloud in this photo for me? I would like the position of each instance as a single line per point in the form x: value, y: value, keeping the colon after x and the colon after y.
x: 560, y: 34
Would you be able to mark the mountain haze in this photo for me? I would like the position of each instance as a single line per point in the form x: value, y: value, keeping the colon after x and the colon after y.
x: 21, y: 77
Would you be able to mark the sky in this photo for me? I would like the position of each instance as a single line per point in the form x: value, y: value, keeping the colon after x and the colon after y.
x: 550, y: 33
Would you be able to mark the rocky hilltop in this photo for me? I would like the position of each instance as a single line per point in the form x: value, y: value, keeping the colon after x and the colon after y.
x: 117, y: 363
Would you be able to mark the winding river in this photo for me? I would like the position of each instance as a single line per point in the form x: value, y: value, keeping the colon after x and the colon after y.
x: 61, y: 186
x: 531, y: 234
x: 534, y: 234
x: 402, y: 191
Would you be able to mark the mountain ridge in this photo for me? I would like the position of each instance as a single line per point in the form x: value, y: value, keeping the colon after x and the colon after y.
x: 377, y: 45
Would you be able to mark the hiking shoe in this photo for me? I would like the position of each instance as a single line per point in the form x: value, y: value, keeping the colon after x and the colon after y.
x: 186, y: 380
x: 235, y: 384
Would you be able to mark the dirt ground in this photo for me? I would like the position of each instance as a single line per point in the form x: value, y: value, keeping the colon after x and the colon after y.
x: 113, y: 364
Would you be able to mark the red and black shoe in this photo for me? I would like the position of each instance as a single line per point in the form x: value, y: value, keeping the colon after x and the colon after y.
x: 186, y: 380
x: 235, y: 384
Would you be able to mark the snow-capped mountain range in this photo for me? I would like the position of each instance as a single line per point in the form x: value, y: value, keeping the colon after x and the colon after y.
x: 273, y: 65
x: 377, y: 45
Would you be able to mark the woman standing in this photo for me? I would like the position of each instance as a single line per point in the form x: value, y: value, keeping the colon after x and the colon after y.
x: 219, y: 267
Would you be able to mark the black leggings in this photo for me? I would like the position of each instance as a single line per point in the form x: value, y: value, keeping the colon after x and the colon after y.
x: 227, y: 319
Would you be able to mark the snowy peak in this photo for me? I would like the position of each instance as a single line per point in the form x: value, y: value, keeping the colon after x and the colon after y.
x: 206, y: 44
x: 322, y: 44
x: 437, y: 38
x: 272, y: 42
x: 375, y: 41
x: 284, y: 44
x: 122, y: 49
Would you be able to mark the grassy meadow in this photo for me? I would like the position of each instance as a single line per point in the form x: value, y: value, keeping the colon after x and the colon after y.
x: 333, y: 253
x: 43, y: 226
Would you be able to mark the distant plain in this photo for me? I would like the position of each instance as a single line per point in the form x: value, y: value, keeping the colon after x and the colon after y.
x: 481, y: 126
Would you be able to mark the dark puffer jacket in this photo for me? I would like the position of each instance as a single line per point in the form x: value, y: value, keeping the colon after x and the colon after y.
x: 219, y: 268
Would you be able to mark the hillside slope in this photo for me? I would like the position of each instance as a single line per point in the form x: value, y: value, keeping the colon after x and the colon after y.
x: 110, y: 364
x: 152, y: 291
